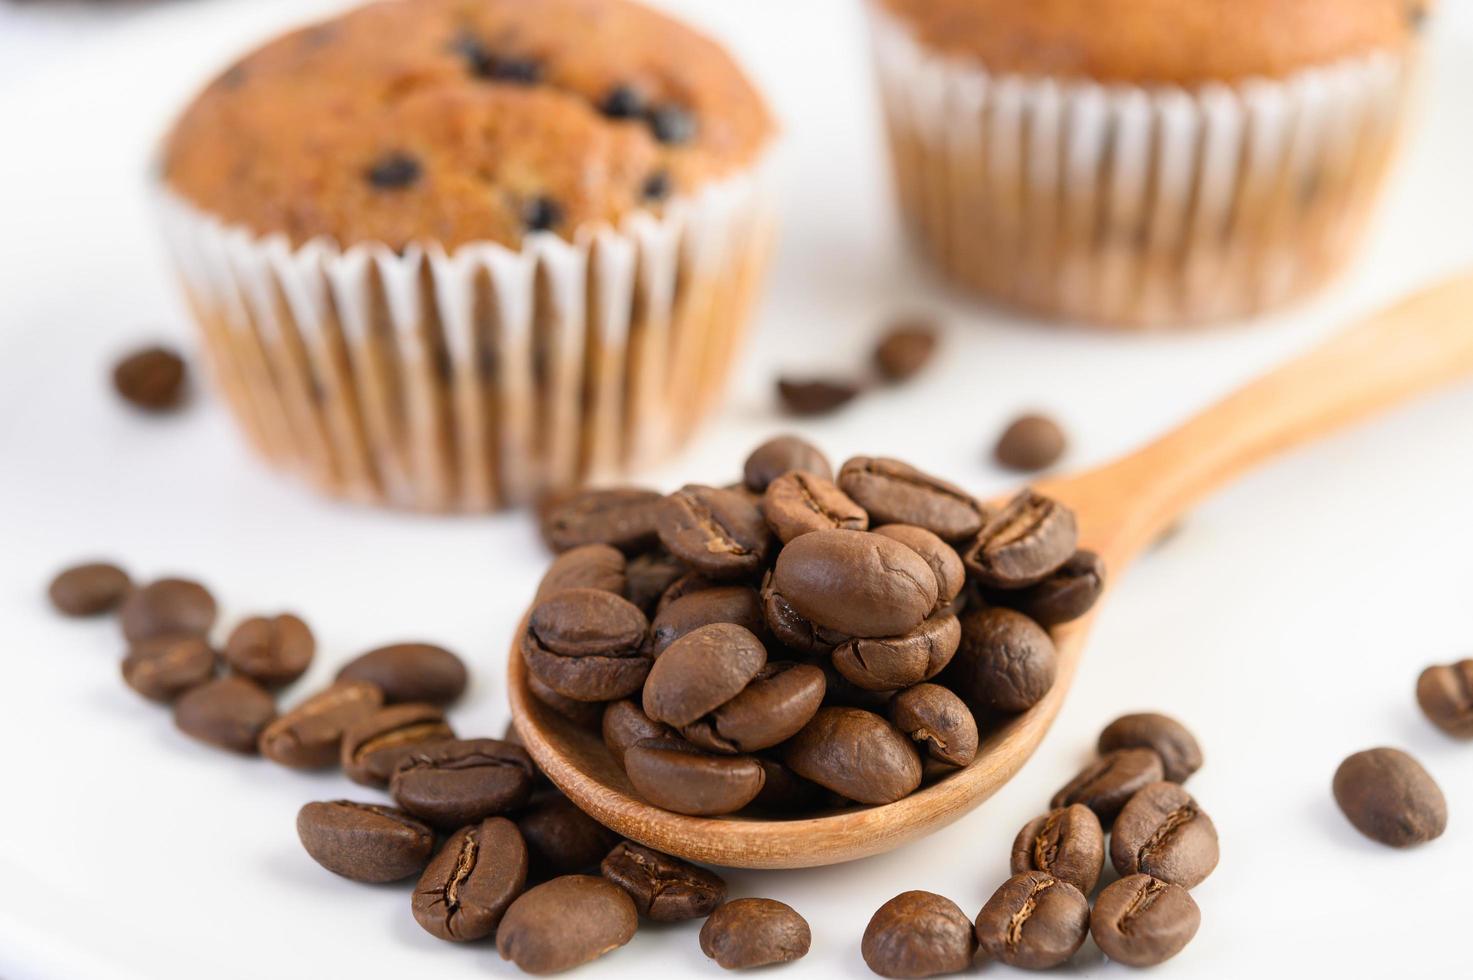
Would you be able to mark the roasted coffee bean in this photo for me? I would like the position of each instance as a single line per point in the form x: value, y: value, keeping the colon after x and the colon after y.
x: 394, y: 172
x: 228, y: 712
x: 1445, y: 695
x: 784, y: 791
x: 750, y: 932
x: 1167, y: 737
x: 562, y: 839
x: 796, y: 503
x: 855, y: 582
x: 772, y: 708
x: 702, y: 671
x: 1030, y: 443
x: 857, y: 754
x: 1162, y: 832
x: 674, y: 774
x: 622, y: 517
x: 272, y: 651
x: 472, y: 881
x: 584, y: 714
x: 892, y: 663
x: 1390, y: 798
x: 587, y: 645
x: 419, y: 673
x: 310, y: 736
x: 151, y: 379
x: 905, y: 350
x: 784, y: 454
x: 365, y: 841
x: 166, y: 607
x: 1140, y: 921
x: 937, y: 721
x: 792, y: 630
x: 1034, y: 921
x: 90, y: 589
x: 664, y: 888
x: 687, y: 584
x: 1068, y: 593
x: 1108, y: 783
x: 945, y: 563
x: 566, y: 922
x: 808, y: 397
x: 1005, y: 662
x: 650, y: 575
x: 591, y: 566
x: 1068, y: 843
x: 373, y: 747
x: 164, y: 667
x: 1024, y: 543
x: 459, y: 782
x: 892, y: 492
x: 717, y: 532
x: 737, y: 604
x: 918, y: 934
x: 624, y: 723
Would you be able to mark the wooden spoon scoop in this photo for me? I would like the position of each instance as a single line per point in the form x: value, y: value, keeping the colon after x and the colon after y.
x: 1414, y: 347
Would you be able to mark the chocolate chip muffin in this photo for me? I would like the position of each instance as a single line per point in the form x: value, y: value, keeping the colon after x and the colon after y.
x: 1142, y: 162
x: 453, y: 253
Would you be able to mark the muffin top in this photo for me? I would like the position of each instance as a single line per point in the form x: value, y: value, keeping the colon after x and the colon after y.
x: 1186, y: 42
x: 465, y: 120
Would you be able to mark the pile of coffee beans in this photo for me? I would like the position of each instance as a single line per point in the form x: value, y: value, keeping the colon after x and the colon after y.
x: 1161, y: 843
x: 905, y: 350
x: 800, y: 640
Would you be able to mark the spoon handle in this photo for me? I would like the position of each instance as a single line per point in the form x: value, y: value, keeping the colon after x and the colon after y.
x: 1417, y: 345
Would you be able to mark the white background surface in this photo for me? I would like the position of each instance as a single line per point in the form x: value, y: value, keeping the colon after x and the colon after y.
x: 1286, y: 622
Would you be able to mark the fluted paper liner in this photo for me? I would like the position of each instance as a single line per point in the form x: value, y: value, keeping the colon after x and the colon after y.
x: 482, y: 377
x: 1131, y: 205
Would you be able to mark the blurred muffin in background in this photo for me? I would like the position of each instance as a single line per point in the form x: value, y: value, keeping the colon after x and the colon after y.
x: 1142, y: 162
x: 449, y: 254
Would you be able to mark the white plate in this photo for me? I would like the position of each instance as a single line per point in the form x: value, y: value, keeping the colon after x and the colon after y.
x: 1286, y: 623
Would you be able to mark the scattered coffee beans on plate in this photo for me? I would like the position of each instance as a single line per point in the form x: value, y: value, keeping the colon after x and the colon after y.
x: 751, y: 932
x: 273, y: 651
x: 1034, y: 921
x: 1140, y: 921
x: 906, y: 349
x: 1389, y: 797
x: 168, y: 606
x: 410, y: 672
x: 918, y: 934
x: 365, y: 841
x: 1445, y: 694
x: 90, y: 589
x: 566, y: 922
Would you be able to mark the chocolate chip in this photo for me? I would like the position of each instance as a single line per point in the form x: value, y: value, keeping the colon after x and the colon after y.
x: 622, y: 102
x: 815, y: 396
x: 657, y: 186
x: 394, y: 172
x: 672, y: 125
x: 541, y: 214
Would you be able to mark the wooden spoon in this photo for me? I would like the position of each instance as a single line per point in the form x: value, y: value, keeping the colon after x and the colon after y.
x: 1414, y: 347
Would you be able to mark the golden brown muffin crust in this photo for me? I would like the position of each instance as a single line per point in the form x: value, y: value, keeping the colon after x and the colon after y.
x: 465, y: 120
x: 1187, y: 42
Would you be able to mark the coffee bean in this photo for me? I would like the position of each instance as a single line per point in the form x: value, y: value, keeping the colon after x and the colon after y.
x: 622, y: 517
x: 772, y: 708
x: 1445, y: 695
x: 892, y: 492
x: 364, y: 841
x: 587, y: 645
x: 562, y: 839
x: 687, y: 584
x: 1167, y: 737
x: 310, y: 736
x: 163, y: 667
x: 90, y: 589
x: 1034, y: 921
x: 1162, y: 832
x: 472, y: 881
x: 151, y: 379
x: 750, y: 932
x: 649, y: 575
x: 945, y: 563
x: 672, y: 125
x: 792, y: 630
x: 918, y: 934
x: 1390, y: 798
x: 1067, y: 843
x: 664, y: 888
x: 700, y: 672
x: 624, y: 723
x: 674, y: 774
x: 566, y: 922
x: 373, y: 747
x: 272, y: 651
x: 784, y: 454
x: 857, y: 754
x: 889, y: 664
x: 905, y: 350
x: 855, y: 582
x: 421, y: 673
x: 937, y: 720
x: 228, y: 712
x: 784, y: 791
x: 717, y: 532
x: 590, y: 566
x: 584, y: 714
x: 735, y: 604
x: 1005, y: 662
x: 797, y: 503
x: 1030, y: 443
x: 1024, y: 543
x: 459, y: 782
x: 1068, y: 593
x: 809, y: 397
x: 166, y: 607
x: 1140, y: 921
x: 1108, y: 783
x: 394, y: 172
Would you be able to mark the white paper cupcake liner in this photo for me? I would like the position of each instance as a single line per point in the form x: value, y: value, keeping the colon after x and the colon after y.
x: 1130, y: 205
x: 479, y: 378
